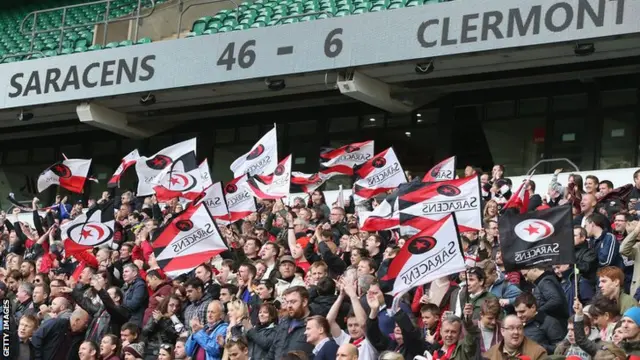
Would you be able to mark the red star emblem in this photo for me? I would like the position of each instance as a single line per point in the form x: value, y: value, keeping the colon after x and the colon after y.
x: 157, y: 161
x: 531, y: 229
x: 420, y: 245
x: 174, y: 181
x: 85, y: 233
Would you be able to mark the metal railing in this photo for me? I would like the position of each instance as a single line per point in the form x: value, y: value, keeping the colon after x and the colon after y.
x: 183, y: 11
x: 34, y: 31
x: 303, y: 15
x: 543, y: 161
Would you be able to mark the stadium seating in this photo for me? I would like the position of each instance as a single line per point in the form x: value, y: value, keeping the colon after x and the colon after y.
x: 78, y: 39
x: 261, y: 13
x: 250, y: 14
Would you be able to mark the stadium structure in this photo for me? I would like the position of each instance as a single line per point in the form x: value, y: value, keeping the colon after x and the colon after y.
x: 491, y: 81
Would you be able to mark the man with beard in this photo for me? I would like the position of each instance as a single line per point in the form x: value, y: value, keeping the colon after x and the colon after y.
x: 290, y: 333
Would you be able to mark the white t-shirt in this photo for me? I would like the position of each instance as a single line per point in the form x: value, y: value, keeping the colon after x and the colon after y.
x: 366, y: 351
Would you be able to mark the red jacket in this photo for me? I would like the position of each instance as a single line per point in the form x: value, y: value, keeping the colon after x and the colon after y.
x: 165, y: 289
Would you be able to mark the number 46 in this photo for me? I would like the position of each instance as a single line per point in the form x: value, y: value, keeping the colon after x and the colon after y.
x: 246, y: 56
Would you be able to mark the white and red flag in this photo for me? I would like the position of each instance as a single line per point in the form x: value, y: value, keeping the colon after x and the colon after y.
x: 180, y: 179
x: 190, y: 239
x: 519, y: 199
x: 430, y: 254
x: 240, y: 201
x: 69, y: 174
x: 272, y: 186
x: 125, y: 163
x: 261, y: 159
x: 205, y: 174
x: 378, y: 175
x: 148, y: 168
x: 213, y: 198
x: 94, y: 228
x: 444, y: 170
x: 307, y: 183
x: 431, y: 202
x: 342, y: 160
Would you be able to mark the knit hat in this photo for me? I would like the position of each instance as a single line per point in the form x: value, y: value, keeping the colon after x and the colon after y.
x: 633, y: 314
x: 135, y: 349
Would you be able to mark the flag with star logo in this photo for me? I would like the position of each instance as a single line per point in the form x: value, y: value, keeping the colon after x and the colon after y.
x: 125, y: 163
x: 190, y: 239
x: 430, y: 254
x: 69, y: 174
x: 537, y: 239
x: 148, y: 168
x: 444, y: 170
x: 94, y: 228
x: 183, y: 179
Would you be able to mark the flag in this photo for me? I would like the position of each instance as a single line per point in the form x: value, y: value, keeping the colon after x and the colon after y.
x: 240, y: 201
x: 521, y: 199
x: 538, y: 238
x: 205, y: 174
x: 272, y: 186
x: 444, y: 170
x: 213, y: 198
x: 342, y: 160
x: 125, y: 163
x: 307, y: 183
x: 148, y: 168
x: 429, y: 255
x: 261, y: 159
x: 386, y: 215
x: 378, y: 175
x: 69, y: 174
x: 180, y: 179
x: 94, y: 228
x: 426, y: 203
x: 190, y: 239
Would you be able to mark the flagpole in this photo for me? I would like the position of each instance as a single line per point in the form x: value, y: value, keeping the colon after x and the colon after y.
x: 576, y: 272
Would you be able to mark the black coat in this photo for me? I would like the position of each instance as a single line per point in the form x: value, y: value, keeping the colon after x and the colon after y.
x: 47, y: 338
x: 261, y: 339
x: 136, y: 299
x: 285, y: 340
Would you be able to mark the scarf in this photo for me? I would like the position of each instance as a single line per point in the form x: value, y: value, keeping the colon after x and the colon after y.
x: 441, y: 355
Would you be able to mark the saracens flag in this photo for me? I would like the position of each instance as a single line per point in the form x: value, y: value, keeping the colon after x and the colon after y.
x: 341, y: 161
x: 307, y: 183
x: 272, y: 186
x: 94, y: 228
x: 180, y: 179
x: 431, y: 254
x: 378, y: 175
x: 213, y: 198
x: 240, y: 201
x: 190, y: 239
x: 444, y: 170
x: 386, y: 215
x: 205, y: 174
x: 125, y: 163
x: 261, y: 159
x: 539, y: 238
x: 69, y: 174
x: 430, y: 202
x: 148, y: 168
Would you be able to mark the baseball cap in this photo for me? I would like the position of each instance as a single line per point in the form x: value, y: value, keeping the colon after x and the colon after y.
x: 287, y: 258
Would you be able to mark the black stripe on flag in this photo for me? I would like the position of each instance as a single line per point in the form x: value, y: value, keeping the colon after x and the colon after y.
x: 537, y: 239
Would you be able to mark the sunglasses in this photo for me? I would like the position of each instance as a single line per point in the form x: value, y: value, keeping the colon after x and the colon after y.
x: 166, y: 347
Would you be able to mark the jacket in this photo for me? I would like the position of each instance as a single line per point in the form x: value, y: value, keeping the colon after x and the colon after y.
x: 413, y: 343
x: 136, y: 299
x: 550, y: 297
x: 503, y: 289
x: 459, y: 297
x: 545, y: 331
x: 261, y: 339
x: 528, y: 347
x: 586, y: 261
x: 107, y: 317
x: 289, y: 337
x: 630, y: 248
x: 206, y: 341
x: 48, y: 336
x: 163, y: 290
x: 327, y: 351
x: 158, y: 332
x: 607, y: 249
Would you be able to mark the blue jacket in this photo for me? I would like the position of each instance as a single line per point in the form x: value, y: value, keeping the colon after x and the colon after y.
x: 504, y: 290
x: 206, y: 341
x: 607, y: 249
x: 327, y: 351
